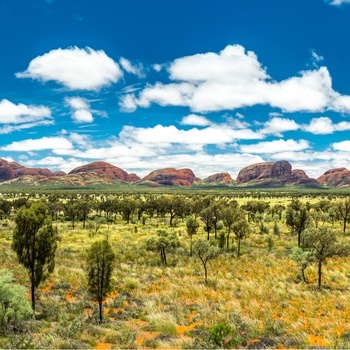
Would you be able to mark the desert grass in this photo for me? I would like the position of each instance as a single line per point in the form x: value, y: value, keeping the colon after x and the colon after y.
x: 260, y: 295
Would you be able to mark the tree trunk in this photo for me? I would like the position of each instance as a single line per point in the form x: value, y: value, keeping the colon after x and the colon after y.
x: 191, y: 246
x: 303, y: 274
x: 299, y: 239
x: 344, y: 224
x: 228, y: 240
x: 319, y: 274
x: 100, y: 312
x: 239, y: 248
x: 33, y: 292
x: 205, y: 273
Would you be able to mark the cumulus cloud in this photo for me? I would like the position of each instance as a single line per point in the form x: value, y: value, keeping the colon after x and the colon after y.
x: 10, y: 113
x: 276, y: 146
x: 75, y: 68
x: 276, y: 126
x: 167, y: 135
x: 44, y: 143
x: 195, y: 120
x: 341, y: 146
x: 324, y: 125
x: 81, y: 109
x: 234, y: 78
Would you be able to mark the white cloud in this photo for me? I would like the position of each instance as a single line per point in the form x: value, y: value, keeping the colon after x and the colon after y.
x: 341, y: 146
x: 130, y: 68
x: 44, y: 143
x: 167, y: 135
x: 77, y: 103
x: 81, y: 109
x: 338, y: 2
x: 7, y: 129
x: 324, y: 125
x: 75, y: 68
x: 234, y: 78
x: 11, y: 113
x: 277, y: 146
x: 195, y: 120
x: 82, y: 116
x: 80, y: 140
x: 276, y: 126
x: 157, y: 67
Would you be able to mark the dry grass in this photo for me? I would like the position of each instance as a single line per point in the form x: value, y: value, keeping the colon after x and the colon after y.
x: 260, y: 294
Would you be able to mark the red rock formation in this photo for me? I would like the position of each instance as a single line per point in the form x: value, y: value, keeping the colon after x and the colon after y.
x: 273, y: 175
x: 281, y: 168
x: 223, y: 178
x: 59, y: 173
x: 171, y: 177
x: 134, y: 177
x: 255, y: 172
x: 6, y: 171
x: 105, y: 170
x: 335, y: 177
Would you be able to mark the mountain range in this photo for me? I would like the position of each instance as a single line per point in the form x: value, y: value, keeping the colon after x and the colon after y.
x: 266, y: 174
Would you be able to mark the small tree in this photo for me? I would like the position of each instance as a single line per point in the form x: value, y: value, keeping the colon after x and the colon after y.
x: 323, y: 244
x: 241, y: 230
x: 100, y: 261
x: 35, y: 243
x: 192, y: 227
x: 14, y: 305
x: 206, y: 252
x: 206, y: 216
x: 304, y: 258
x: 342, y: 209
x: 229, y: 216
x: 163, y: 243
x: 298, y: 219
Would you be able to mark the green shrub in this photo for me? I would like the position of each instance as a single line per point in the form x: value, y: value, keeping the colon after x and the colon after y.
x: 14, y: 305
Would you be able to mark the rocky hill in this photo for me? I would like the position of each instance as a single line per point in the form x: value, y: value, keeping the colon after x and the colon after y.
x: 338, y: 177
x: 105, y: 170
x: 218, y: 179
x: 12, y: 170
x: 169, y: 177
x: 266, y: 174
x: 269, y: 174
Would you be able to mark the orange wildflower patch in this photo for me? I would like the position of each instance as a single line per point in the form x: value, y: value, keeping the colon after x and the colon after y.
x: 47, y: 289
x: 145, y: 336
x: 316, y: 340
x: 183, y: 329
x: 101, y: 345
x: 70, y: 298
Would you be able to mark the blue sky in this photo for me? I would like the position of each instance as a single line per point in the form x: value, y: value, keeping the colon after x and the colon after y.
x: 144, y: 85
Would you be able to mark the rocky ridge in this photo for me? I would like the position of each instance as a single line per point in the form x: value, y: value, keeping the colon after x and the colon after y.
x: 266, y: 174
x: 338, y: 177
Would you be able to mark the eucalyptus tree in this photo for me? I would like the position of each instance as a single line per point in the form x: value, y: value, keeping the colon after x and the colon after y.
x: 35, y: 243
x: 192, y: 226
x: 342, y: 208
x: 100, y: 265
x: 163, y: 243
x: 241, y: 230
x: 323, y: 244
x: 205, y: 251
x: 298, y: 219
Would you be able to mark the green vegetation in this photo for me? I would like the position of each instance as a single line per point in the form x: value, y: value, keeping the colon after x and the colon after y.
x: 35, y: 243
x: 115, y: 270
x: 99, y: 271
